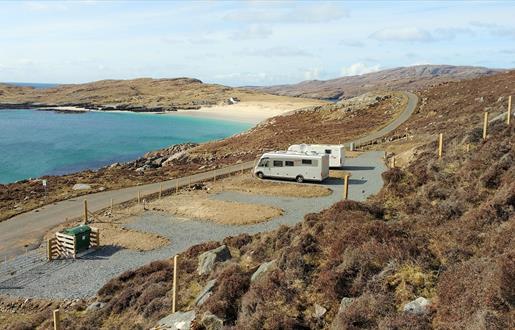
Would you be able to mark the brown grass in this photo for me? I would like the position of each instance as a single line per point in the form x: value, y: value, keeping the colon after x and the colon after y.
x: 249, y: 184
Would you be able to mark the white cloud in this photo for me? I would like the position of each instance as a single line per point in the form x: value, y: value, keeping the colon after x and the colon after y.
x: 318, y: 13
x: 312, y: 74
x: 45, y: 6
x: 495, y: 29
x: 352, y: 43
x: 358, y: 69
x: 402, y: 34
x: 411, y: 33
x: 278, y: 51
x: 252, y: 32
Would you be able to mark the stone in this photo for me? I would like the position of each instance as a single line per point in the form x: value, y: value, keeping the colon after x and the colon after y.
x: 205, y: 293
x: 211, y: 321
x: 207, y: 260
x: 418, y: 306
x: 262, y: 269
x: 345, y: 303
x: 176, y: 321
x: 81, y: 186
x: 319, y: 311
x: 95, y: 306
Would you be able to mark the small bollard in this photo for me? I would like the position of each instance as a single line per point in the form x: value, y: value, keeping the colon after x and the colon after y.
x: 485, y: 125
x: 85, y: 211
x: 57, y: 320
x: 176, y: 186
x: 174, y: 288
x: 346, y: 187
x: 139, y: 197
x: 160, y: 190
x: 440, y: 145
x: 508, y: 118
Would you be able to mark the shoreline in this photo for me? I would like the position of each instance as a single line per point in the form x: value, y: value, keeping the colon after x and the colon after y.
x: 251, y: 113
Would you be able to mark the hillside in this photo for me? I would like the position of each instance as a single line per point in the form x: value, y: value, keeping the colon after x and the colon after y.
x: 440, y: 230
x: 403, y: 78
x: 143, y: 94
x: 320, y: 124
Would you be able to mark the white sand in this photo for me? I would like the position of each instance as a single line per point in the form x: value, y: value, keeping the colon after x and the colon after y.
x: 248, y: 112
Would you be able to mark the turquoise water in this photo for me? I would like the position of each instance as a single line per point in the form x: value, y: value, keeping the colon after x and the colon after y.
x: 35, y: 143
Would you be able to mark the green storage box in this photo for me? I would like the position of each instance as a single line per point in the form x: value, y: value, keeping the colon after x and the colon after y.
x: 81, y: 234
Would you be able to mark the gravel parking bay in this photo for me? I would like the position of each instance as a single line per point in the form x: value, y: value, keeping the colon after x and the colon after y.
x: 69, y: 279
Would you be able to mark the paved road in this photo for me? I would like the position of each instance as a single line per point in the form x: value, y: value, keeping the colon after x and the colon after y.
x: 31, y: 226
x: 16, y: 232
x: 30, y: 276
x: 410, y: 108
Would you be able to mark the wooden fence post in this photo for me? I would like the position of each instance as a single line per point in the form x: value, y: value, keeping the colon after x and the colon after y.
x: 509, y: 110
x: 139, y: 197
x: 176, y: 186
x: 440, y: 145
x: 174, y: 288
x: 160, y: 190
x: 346, y: 187
x: 485, y: 125
x: 111, y: 206
x: 393, y: 161
x: 85, y: 211
x: 57, y: 320
x: 467, y: 147
x: 189, y: 182
x: 49, y: 249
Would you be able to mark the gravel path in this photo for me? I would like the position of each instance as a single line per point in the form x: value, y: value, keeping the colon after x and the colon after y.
x: 83, y: 277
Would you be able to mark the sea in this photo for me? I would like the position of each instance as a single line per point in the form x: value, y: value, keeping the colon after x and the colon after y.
x: 34, y: 143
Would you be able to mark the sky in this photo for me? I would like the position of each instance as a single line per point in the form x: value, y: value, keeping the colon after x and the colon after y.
x: 246, y: 42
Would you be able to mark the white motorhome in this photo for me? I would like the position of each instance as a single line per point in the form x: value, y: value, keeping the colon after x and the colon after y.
x: 336, y: 152
x: 293, y: 165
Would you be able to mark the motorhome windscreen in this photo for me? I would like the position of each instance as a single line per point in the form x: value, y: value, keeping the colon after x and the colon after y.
x: 263, y: 162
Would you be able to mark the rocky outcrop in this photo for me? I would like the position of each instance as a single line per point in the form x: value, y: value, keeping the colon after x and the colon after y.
x: 206, y: 292
x: 208, y: 259
x: 176, y: 321
x: 176, y: 154
x: 419, y: 306
x: 81, y: 186
x: 262, y: 269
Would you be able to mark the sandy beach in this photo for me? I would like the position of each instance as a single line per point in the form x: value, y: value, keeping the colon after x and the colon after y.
x: 252, y: 112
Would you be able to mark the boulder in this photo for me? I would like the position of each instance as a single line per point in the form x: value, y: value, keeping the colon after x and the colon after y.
x: 211, y: 321
x: 176, y: 321
x: 205, y: 293
x: 319, y: 311
x: 345, y: 303
x: 81, y: 186
x: 419, y: 306
x: 95, y: 306
x: 207, y: 260
x: 262, y: 269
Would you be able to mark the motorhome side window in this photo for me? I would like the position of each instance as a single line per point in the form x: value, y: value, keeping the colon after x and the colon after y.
x: 288, y: 163
x: 307, y: 162
x: 328, y: 151
x: 278, y: 163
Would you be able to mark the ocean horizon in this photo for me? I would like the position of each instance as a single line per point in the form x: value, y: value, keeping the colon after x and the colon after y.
x: 37, y: 143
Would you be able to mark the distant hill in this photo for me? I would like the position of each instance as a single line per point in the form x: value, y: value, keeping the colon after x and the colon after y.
x: 143, y: 94
x: 403, y: 78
